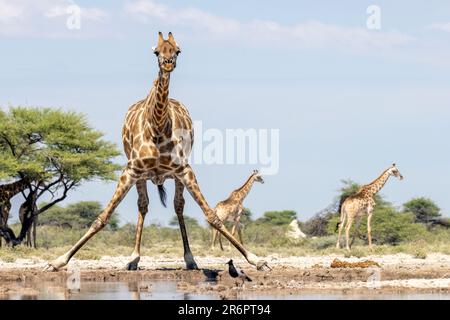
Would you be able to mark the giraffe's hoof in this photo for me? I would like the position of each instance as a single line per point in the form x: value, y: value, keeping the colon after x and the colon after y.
x: 132, y: 266
x: 56, y: 264
x: 191, y: 265
x: 263, y: 266
x: 49, y: 268
x: 190, y: 262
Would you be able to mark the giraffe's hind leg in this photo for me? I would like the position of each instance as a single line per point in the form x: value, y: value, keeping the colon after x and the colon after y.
x: 341, y: 227
x: 187, y: 177
x: 235, y: 230
x: 141, y: 187
x: 220, y: 240
x: 179, y: 207
x: 239, y: 229
x: 347, y: 232
x: 214, y: 237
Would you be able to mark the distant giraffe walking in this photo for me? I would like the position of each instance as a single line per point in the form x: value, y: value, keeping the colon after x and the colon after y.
x: 361, y: 203
x: 157, y: 137
x: 7, y: 192
x: 231, y: 209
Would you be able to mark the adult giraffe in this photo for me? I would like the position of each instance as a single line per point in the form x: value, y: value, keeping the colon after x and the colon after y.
x: 357, y: 205
x: 157, y: 137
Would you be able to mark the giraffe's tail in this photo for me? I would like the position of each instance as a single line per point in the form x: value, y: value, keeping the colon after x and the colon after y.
x: 162, y: 195
x: 341, y: 203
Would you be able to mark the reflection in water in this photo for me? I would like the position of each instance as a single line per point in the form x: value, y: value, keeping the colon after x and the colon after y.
x: 167, y: 290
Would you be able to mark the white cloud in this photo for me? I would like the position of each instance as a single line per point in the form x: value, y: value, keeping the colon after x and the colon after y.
x: 42, y: 18
x: 147, y: 8
x: 9, y: 11
x: 93, y: 14
x: 441, y: 26
x: 306, y: 34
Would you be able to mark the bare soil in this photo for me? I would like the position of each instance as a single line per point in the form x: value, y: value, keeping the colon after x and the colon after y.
x: 289, y: 275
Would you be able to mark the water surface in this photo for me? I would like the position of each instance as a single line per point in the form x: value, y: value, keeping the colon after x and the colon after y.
x: 167, y: 290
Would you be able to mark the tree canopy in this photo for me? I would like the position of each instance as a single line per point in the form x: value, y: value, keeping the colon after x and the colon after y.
x: 77, y: 215
x: 57, y: 149
x: 278, y: 217
x: 188, y: 221
x: 423, y: 209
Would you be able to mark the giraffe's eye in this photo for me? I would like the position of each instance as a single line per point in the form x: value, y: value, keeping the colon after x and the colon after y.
x: 178, y: 52
x: 156, y: 53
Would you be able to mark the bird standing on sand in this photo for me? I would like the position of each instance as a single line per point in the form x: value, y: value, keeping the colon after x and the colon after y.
x: 237, y: 273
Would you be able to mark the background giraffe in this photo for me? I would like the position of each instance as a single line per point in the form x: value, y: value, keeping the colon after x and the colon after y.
x: 7, y: 192
x: 158, y: 137
x: 231, y: 209
x: 357, y: 205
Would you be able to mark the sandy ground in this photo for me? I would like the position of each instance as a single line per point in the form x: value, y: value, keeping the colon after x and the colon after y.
x: 289, y: 275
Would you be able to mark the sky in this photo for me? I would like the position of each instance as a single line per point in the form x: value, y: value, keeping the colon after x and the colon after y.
x: 348, y: 90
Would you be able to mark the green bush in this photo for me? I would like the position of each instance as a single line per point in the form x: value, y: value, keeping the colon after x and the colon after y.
x: 423, y: 209
x: 265, y: 234
x: 78, y: 215
x: 388, y: 227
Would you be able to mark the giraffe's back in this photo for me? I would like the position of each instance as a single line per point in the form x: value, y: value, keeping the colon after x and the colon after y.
x: 357, y: 204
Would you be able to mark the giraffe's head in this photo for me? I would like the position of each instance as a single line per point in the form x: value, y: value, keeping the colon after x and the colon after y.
x: 167, y: 52
x: 258, y: 176
x: 395, y: 172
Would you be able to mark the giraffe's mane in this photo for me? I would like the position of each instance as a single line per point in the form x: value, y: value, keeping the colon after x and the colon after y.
x: 375, y: 180
x: 246, y: 182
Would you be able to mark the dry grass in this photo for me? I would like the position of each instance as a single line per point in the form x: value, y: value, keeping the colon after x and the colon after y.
x: 54, y: 241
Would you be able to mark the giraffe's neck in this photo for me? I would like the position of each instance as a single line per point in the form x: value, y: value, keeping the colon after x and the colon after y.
x: 8, y: 191
x: 159, y: 115
x: 243, y: 191
x: 378, y: 183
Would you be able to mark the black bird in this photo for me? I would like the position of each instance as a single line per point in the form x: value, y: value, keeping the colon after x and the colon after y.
x: 237, y: 273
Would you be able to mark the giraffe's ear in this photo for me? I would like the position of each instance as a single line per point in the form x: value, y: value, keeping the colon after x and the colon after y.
x: 172, y: 39
x: 160, y: 38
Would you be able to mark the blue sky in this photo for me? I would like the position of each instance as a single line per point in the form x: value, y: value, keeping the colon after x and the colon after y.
x: 348, y: 101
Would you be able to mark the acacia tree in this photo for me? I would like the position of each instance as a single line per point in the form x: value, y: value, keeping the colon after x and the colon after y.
x: 424, y: 210
x: 56, y: 150
x: 278, y: 217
